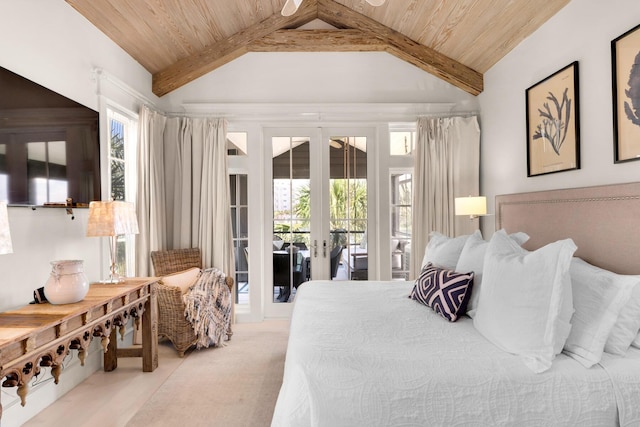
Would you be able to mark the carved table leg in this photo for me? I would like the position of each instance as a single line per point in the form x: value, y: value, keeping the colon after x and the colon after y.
x: 111, y: 352
x: 150, y: 333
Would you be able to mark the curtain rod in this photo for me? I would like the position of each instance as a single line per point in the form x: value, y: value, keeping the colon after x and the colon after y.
x: 452, y: 114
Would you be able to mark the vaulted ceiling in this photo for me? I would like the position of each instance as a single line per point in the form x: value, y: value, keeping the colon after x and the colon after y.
x: 178, y: 41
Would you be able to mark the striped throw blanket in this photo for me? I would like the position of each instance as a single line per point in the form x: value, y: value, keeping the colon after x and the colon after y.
x: 208, y: 308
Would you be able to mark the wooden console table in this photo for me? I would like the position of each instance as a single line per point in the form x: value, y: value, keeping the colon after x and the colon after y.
x: 41, y: 335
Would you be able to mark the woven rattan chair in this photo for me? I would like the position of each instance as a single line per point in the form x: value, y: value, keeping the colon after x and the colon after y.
x: 171, y: 319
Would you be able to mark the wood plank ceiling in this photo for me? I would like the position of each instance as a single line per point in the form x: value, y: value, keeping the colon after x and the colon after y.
x: 178, y: 41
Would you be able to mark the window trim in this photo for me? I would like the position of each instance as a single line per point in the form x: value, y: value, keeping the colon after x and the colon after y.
x: 130, y: 122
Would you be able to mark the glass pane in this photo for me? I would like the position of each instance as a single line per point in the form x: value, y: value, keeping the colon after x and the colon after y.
x: 117, y: 179
x: 243, y: 222
x: 117, y: 139
x: 401, y: 143
x: 348, y: 206
x: 243, y: 189
x: 234, y: 221
x: 240, y: 221
x: 291, y: 204
x: 233, y: 189
x: 401, y: 216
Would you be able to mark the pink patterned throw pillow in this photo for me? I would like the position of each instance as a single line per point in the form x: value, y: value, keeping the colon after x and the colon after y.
x: 445, y: 291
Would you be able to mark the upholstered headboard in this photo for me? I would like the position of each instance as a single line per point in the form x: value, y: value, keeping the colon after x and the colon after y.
x: 603, y: 221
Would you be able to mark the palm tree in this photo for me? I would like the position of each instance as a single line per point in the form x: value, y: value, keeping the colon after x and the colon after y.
x: 347, y: 207
x: 117, y: 166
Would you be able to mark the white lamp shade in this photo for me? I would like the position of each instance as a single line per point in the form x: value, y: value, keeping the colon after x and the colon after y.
x: 472, y: 206
x: 5, y: 234
x: 113, y: 218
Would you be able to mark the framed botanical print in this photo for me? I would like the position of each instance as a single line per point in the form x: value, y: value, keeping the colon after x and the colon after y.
x: 625, y: 62
x: 553, y: 143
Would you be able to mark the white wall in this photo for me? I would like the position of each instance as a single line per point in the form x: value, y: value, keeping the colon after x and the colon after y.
x: 582, y: 32
x: 48, y: 42
x: 324, y: 77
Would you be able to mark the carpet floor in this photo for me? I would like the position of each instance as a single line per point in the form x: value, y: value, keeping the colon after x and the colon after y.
x: 235, y: 386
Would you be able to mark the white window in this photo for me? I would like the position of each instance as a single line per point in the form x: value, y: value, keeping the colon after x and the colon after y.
x: 122, y: 131
x: 402, y: 138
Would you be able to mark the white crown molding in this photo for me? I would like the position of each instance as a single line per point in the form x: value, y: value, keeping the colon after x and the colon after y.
x: 318, y: 112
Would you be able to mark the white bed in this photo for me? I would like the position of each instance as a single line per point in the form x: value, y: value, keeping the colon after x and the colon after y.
x: 364, y: 354
x: 413, y: 368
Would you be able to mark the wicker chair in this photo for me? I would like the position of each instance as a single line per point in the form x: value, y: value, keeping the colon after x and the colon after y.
x: 171, y: 319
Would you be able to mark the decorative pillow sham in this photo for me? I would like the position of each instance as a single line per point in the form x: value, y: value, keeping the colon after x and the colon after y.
x: 627, y: 325
x: 443, y: 251
x: 472, y: 259
x: 445, y: 291
x: 598, y: 298
x: 182, y: 279
x: 525, y: 304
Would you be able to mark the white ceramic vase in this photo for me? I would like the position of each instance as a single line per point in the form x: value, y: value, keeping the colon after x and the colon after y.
x: 67, y: 282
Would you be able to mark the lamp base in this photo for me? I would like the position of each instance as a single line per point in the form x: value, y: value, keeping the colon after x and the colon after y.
x: 113, y: 278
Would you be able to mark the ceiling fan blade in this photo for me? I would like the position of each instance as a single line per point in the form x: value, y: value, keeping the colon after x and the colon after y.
x: 376, y: 2
x: 290, y: 7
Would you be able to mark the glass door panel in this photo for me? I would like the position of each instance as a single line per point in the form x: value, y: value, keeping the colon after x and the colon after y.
x: 348, y: 207
x: 291, y: 193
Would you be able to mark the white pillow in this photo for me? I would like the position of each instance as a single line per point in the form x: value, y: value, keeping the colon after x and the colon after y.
x: 525, y: 303
x: 598, y: 298
x: 627, y: 325
x: 636, y: 342
x: 182, y: 279
x: 472, y: 259
x: 443, y: 251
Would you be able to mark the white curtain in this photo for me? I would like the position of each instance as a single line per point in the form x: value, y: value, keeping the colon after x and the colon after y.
x: 151, y: 194
x: 447, y: 165
x: 183, y: 190
x: 199, y: 206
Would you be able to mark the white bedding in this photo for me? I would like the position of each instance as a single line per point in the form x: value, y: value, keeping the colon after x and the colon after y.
x: 363, y: 354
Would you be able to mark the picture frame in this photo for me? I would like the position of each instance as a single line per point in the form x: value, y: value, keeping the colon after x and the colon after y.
x: 625, y: 72
x: 553, y: 123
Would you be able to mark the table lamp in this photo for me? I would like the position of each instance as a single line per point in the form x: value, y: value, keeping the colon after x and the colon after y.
x: 112, y: 219
x: 472, y: 206
x: 5, y: 234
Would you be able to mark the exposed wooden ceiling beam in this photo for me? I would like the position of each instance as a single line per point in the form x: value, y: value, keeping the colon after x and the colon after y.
x: 403, y: 47
x: 318, y: 41
x: 357, y: 33
x: 207, y: 60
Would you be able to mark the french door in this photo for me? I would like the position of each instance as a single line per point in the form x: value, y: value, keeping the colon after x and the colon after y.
x: 318, y: 220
